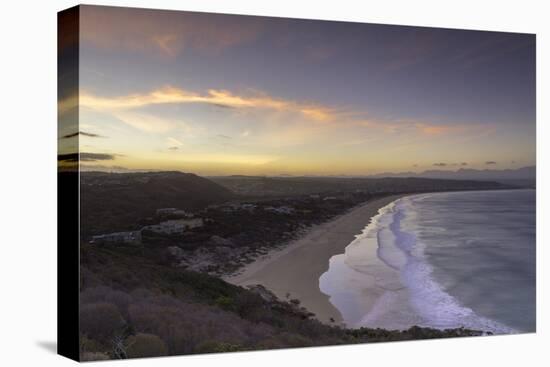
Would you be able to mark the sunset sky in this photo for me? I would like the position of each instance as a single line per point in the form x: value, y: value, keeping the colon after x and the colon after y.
x: 219, y: 94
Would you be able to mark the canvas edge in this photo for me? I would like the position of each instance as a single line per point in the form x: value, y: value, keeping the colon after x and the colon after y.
x: 68, y: 208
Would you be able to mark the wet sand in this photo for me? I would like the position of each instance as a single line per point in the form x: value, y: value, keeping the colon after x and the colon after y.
x: 294, y: 272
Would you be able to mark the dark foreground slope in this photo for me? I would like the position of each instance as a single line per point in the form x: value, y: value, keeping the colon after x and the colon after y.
x: 134, y: 305
x: 116, y: 201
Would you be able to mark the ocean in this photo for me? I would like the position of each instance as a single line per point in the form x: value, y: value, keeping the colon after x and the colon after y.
x: 442, y: 260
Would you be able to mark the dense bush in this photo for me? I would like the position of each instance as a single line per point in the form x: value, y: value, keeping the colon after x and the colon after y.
x: 182, y: 326
x: 217, y: 347
x: 106, y: 294
x: 145, y: 345
x: 100, y: 320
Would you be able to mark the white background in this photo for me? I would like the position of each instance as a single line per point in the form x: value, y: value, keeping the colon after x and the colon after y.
x: 28, y: 181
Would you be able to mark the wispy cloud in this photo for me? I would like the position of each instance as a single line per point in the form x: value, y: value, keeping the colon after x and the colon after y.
x: 100, y: 167
x: 164, y: 33
x: 86, y: 157
x: 82, y: 133
x: 90, y: 157
x: 489, y: 163
x: 433, y: 129
x: 147, y: 122
x: 440, y: 164
x: 318, y: 53
x: 174, y: 142
x: 128, y: 109
x: 415, y: 47
x: 172, y: 95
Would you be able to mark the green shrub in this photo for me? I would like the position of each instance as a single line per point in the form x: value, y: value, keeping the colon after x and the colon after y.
x: 217, y: 347
x: 294, y: 340
x: 145, y: 345
x: 225, y: 302
x: 89, y: 345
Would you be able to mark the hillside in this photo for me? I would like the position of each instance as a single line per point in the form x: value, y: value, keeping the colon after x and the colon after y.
x: 116, y: 201
x: 288, y: 186
x: 134, y: 296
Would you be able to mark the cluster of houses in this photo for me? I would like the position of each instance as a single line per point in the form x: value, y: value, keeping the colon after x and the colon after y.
x: 174, y: 212
x: 118, y: 237
x: 174, y: 221
x: 174, y: 226
x: 279, y: 209
x: 234, y: 207
x: 168, y: 227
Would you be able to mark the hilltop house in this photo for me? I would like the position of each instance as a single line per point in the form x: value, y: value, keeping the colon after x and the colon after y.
x: 279, y: 209
x: 232, y: 207
x: 174, y: 226
x: 117, y: 238
x: 173, y: 211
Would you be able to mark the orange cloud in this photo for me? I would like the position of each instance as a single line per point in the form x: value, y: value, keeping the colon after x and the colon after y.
x: 170, y: 95
x: 123, y: 107
x: 432, y: 129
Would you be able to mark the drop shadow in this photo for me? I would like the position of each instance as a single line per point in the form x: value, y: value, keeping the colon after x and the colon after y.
x: 50, y: 346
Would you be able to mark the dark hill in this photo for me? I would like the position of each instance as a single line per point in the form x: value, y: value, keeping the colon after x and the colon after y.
x: 116, y: 201
x: 288, y: 186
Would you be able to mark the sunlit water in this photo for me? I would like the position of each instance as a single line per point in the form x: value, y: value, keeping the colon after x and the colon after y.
x: 441, y: 260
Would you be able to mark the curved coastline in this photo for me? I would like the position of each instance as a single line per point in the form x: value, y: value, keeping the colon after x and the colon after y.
x: 294, y: 271
x: 383, y: 280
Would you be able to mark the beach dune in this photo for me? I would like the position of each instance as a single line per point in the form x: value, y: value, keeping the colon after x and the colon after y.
x: 294, y: 272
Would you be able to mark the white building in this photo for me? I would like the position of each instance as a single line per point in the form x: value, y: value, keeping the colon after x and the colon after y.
x: 188, y: 223
x: 164, y: 228
x: 117, y: 237
x: 238, y: 206
x: 173, y: 211
x: 279, y: 209
x: 175, y: 226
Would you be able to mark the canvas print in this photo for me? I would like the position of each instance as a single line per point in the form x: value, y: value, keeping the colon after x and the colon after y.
x: 238, y: 183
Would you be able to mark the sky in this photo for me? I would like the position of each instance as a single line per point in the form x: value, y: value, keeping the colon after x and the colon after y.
x: 220, y: 94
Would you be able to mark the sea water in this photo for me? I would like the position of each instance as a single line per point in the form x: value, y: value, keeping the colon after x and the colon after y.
x: 442, y: 260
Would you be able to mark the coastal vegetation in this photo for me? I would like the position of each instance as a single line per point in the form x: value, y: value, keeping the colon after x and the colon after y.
x: 135, y: 305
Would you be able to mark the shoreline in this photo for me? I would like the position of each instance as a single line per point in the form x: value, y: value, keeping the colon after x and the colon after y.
x: 293, y: 272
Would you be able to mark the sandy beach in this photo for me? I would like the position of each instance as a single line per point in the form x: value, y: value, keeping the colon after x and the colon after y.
x: 294, y: 271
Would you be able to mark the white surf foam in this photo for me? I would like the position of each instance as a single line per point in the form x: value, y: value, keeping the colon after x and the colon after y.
x: 384, y: 280
x: 435, y: 307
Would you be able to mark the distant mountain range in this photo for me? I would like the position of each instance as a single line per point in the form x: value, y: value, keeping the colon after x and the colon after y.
x: 524, y: 173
